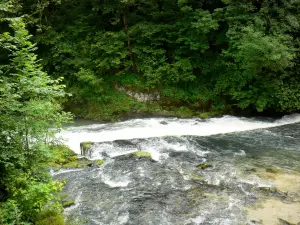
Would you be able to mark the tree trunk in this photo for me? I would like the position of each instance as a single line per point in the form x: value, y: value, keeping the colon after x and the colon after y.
x: 129, y: 47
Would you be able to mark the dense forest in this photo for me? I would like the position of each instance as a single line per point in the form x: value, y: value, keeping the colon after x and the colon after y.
x: 199, y: 55
x: 195, y: 56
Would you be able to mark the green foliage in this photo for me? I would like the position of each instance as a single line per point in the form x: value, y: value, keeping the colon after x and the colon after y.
x: 218, y: 54
x: 257, y: 60
x: 30, y: 114
x: 10, y: 214
x: 31, y: 194
x: 49, y: 217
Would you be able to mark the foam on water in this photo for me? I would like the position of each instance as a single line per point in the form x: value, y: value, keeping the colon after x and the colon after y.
x: 197, y: 220
x: 115, y: 182
x: 111, y: 150
x: 53, y: 173
x: 146, y: 128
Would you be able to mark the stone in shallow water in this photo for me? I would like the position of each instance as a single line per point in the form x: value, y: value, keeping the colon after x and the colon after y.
x: 141, y: 154
x: 85, y: 147
x: 270, y: 210
x: 163, y: 123
x: 203, y: 166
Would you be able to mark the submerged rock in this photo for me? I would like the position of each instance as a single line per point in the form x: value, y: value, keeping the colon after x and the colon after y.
x: 283, y: 222
x: 65, y: 199
x: 197, y: 178
x: 272, y: 170
x: 203, y: 166
x: 250, y: 170
x: 272, y: 209
x: 141, y: 154
x: 68, y: 203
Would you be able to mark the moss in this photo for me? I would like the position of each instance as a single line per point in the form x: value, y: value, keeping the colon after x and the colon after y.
x: 65, y: 199
x: 119, y: 105
x: 99, y: 162
x: 68, y: 203
x: 73, y: 164
x: 83, y: 162
x: 141, y: 154
x: 75, y: 220
x: 85, y: 146
x: 54, y: 166
x: 194, y: 193
x: 184, y: 112
x: 272, y: 170
x: 196, y: 177
x: 63, y: 155
x: 65, y: 158
x: 49, y: 217
x: 203, y: 166
x: 205, y: 115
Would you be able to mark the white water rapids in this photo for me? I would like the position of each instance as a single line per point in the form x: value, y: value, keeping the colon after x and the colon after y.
x: 160, y: 127
x: 243, y: 156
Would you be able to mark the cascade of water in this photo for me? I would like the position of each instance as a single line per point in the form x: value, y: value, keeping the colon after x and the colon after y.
x: 159, y: 127
x: 241, y: 171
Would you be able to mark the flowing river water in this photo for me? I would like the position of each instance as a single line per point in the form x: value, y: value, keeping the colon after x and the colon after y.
x: 252, y: 174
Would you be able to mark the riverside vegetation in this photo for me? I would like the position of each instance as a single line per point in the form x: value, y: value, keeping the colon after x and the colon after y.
x: 201, y: 57
x: 197, y: 56
x: 30, y: 114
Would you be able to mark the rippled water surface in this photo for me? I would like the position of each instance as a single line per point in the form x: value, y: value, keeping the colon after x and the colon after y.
x: 253, y: 174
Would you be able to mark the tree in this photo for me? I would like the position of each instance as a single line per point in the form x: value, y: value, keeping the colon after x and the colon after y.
x: 30, y: 114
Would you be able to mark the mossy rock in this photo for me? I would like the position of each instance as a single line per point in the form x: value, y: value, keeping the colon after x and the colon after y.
x: 194, y: 193
x: 74, y: 164
x: 268, y: 190
x: 49, y: 217
x: 65, y: 199
x: 273, y: 170
x: 99, y: 162
x: 82, y: 162
x: 184, y: 112
x: 66, y: 158
x: 141, y: 154
x: 54, y: 166
x: 203, y: 166
x: 250, y: 170
x: 206, y: 115
x: 284, y: 222
x: 85, y: 146
x: 63, y: 155
x: 68, y: 203
x: 196, y: 177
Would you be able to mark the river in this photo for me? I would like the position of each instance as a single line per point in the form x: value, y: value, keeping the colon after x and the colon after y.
x: 250, y: 172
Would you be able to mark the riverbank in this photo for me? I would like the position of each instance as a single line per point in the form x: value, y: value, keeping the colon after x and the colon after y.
x: 112, y: 112
x: 122, y: 103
